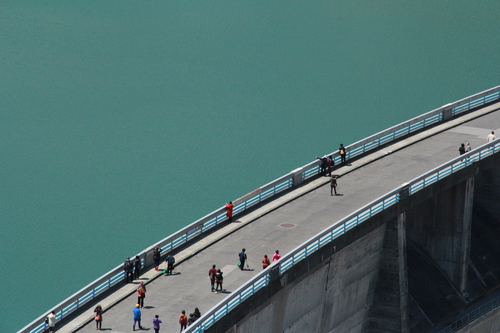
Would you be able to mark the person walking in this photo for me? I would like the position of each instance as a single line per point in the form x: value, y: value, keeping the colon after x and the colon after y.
x: 194, y: 316
x: 137, y: 267
x: 211, y: 275
x: 156, y: 323
x: 170, y: 260
x: 141, y: 294
x: 219, y: 278
x: 322, y: 165
x: 490, y: 137
x: 276, y: 256
x: 333, y: 185
x: 243, y: 258
x: 330, y: 162
x: 265, y: 262
x: 128, y: 268
x: 137, y: 317
x: 51, y: 321
x: 183, y: 320
x: 98, y: 317
x: 461, y: 149
x: 229, y: 211
x: 156, y: 257
x: 342, y: 154
x: 468, y: 147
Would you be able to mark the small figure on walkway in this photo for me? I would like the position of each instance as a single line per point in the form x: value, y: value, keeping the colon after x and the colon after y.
x: 51, y: 321
x: 128, y: 267
x: 243, y: 258
x: 156, y: 257
x: 468, y: 147
x: 461, y: 149
x: 276, y: 256
x: 141, y: 294
x: 137, y: 317
x: 333, y: 185
x: 170, y: 260
x: 265, y: 262
x: 322, y: 165
x: 330, y: 162
x: 137, y: 267
x: 490, y: 137
x: 183, y: 320
x: 156, y: 324
x: 194, y: 316
x: 229, y: 211
x: 211, y: 275
x: 98, y: 317
x: 342, y: 153
x: 218, y: 279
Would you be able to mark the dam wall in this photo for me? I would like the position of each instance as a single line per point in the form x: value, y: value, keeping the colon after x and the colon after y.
x: 404, y: 269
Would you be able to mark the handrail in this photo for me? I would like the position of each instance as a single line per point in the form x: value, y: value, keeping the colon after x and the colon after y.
x: 265, y: 192
x: 472, y: 316
x: 337, y: 229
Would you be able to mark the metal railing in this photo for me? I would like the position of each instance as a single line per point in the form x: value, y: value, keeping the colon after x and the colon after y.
x: 266, y: 192
x: 337, y: 229
x: 472, y: 316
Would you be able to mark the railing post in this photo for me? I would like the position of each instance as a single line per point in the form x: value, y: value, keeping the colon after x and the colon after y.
x: 297, y: 177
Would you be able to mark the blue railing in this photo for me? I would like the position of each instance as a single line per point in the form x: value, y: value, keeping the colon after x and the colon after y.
x: 472, y: 316
x: 338, y: 229
x: 268, y: 191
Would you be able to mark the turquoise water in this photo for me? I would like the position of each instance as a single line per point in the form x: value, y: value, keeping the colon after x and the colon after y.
x: 123, y: 121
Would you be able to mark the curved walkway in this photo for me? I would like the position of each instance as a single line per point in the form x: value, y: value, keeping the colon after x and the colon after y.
x: 283, y: 224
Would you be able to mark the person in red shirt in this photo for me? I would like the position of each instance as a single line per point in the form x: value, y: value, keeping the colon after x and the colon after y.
x: 229, y: 211
x: 211, y: 274
x: 276, y: 256
x: 265, y: 262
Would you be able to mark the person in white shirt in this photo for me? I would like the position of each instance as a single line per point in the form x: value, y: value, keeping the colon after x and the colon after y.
x: 51, y: 320
x: 490, y: 137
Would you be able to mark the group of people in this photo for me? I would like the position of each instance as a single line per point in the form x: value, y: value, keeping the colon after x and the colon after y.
x: 328, y: 162
x: 138, y: 316
x: 464, y: 148
x: 216, y: 279
x: 266, y: 262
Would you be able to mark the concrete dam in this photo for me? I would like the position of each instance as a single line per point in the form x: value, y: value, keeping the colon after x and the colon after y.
x: 403, y: 270
x: 407, y: 245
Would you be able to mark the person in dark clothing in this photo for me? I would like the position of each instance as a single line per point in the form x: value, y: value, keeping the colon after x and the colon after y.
x: 322, y: 165
x: 211, y: 274
x: 194, y: 316
x: 243, y: 258
x: 461, y: 149
x: 156, y: 257
x: 333, y: 185
x: 342, y: 154
x: 137, y: 267
x: 170, y: 263
x: 219, y: 278
x: 98, y: 318
x: 330, y: 163
x: 128, y: 267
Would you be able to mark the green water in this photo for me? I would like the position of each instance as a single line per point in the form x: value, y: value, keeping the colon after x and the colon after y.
x: 123, y: 121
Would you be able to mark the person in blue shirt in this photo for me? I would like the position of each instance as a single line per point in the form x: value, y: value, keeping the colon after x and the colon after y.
x: 137, y: 316
x: 243, y: 258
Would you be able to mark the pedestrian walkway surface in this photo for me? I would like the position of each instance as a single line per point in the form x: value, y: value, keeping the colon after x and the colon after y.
x: 282, y: 225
